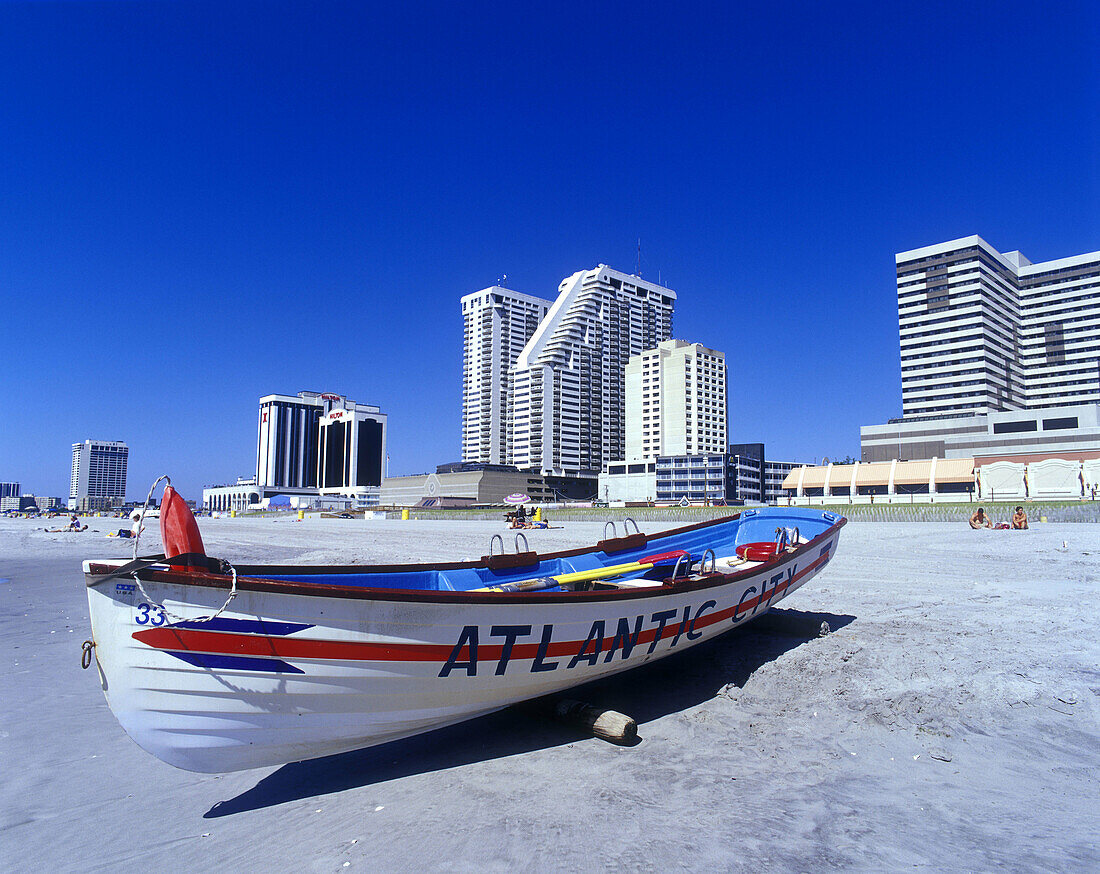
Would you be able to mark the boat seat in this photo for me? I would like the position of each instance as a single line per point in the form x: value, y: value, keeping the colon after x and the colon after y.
x: 730, y: 563
x: 627, y: 584
x: 636, y: 584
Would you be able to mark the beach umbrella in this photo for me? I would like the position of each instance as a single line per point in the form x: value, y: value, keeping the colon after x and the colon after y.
x: 517, y: 498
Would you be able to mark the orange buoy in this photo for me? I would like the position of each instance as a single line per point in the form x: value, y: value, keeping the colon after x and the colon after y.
x: 178, y: 528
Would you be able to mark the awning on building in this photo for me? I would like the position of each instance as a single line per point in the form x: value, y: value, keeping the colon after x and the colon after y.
x: 913, y: 473
x: 873, y: 474
x: 955, y: 470
x: 814, y: 478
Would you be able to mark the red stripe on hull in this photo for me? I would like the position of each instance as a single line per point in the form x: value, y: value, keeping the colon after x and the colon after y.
x: 229, y: 643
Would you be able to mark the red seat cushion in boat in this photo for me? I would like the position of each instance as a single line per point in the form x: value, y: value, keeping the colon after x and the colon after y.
x: 756, y: 551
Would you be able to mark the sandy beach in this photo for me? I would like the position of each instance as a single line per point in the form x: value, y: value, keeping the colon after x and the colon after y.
x: 950, y: 721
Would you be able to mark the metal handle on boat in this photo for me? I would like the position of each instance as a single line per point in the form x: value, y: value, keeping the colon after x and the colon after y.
x: 626, y: 530
x: 780, y: 540
x: 713, y: 562
x: 494, y: 539
x: 609, y: 523
x: 679, y: 561
x: 795, y: 537
x: 521, y: 536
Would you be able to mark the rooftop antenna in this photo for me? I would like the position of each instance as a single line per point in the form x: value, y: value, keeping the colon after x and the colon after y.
x: 638, y: 265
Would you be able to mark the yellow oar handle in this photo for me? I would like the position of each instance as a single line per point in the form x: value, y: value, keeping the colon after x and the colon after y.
x: 601, y: 572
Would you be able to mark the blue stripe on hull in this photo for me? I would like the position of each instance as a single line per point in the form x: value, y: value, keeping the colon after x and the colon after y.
x: 217, y: 661
x: 244, y: 626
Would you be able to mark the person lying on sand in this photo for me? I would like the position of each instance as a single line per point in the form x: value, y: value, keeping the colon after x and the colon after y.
x: 1019, y: 519
x: 65, y: 530
x: 980, y: 520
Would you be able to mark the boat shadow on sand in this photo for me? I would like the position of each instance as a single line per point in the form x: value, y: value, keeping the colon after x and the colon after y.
x: 670, y: 685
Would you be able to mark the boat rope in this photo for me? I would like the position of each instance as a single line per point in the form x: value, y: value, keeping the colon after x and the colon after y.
x: 225, y: 567
x: 175, y: 617
x: 144, y: 508
x: 86, y: 654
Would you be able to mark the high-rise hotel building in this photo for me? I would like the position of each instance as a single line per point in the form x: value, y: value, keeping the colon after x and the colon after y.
x: 675, y: 401
x: 320, y: 443
x: 987, y: 332
x: 98, y: 475
x: 999, y: 356
x: 568, y: 390
x: 496, y: 325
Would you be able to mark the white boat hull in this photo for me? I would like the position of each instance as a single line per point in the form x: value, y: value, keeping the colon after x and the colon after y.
x: 282, y: 676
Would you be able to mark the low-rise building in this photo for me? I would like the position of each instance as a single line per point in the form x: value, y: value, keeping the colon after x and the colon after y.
x: 988, y: 478
x: 241, y: 495
x: 738, y: 476
x: 480, y: 483
x: 629, y: 482
x: 1069, y: 432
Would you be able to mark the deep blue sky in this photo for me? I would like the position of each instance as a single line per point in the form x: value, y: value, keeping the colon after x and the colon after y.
x: 202, y: 203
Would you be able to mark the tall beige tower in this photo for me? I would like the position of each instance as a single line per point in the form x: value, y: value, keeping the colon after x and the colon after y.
x: 676, y: 401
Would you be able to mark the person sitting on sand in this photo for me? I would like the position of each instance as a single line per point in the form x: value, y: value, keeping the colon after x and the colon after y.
x: 74, y: 523
x: 980, y: 520
x: 1019, y: 519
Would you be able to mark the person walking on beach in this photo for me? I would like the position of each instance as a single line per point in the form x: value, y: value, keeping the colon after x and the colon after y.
x: 980, y: 520
x: 1019, y: 519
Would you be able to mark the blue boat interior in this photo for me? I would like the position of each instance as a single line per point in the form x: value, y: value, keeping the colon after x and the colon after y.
x: 752, y: 526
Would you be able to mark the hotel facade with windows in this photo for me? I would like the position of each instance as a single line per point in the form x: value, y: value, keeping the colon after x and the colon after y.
x: 314, y: 448
x: 568, y: 390
x: 496, y: 325
x: 999, y: 356
x: 675, y: 401
x: 1000, y: 372
x: 98, y: 475
x: 321, y: 444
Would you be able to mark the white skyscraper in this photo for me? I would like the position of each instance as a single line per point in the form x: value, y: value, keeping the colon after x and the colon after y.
x: 98, y: 478
x: 496, y: 325
x: 984, y: 332
x: 675, y: 401
x: 568, y: 398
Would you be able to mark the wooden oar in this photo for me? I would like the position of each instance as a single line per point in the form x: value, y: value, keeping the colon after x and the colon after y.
x: 586, y: 576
